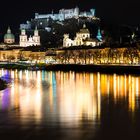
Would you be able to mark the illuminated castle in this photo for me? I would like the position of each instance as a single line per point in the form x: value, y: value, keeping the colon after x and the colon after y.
x: 66, y: 14
x: 82, y: 38
x: 24, y: 41
x: 63, y: 14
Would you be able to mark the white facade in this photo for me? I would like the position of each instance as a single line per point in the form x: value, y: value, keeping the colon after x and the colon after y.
x: 92, y: 42
x: 34, y: 40
x: 82, y: 38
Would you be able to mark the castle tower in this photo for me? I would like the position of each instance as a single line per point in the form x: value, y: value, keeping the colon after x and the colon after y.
x: 36, y: 37
x: 23, y: 38
x: 76, y: 12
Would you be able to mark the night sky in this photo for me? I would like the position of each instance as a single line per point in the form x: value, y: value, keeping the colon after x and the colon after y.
x: 14, y: 12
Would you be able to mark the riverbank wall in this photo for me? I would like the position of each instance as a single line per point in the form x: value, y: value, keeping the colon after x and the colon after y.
x: 96, y: 68
x: 79, y: 68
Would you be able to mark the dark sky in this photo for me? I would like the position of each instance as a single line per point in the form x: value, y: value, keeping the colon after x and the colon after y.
x: 14, y: 12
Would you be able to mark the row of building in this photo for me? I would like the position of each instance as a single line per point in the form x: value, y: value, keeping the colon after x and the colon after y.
x: 24, y: 39
x: 83, y: 37
x: 95, y: 55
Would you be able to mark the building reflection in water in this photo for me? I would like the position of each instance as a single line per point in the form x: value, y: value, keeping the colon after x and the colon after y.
x: 78, y: 99
x: 66, y: 98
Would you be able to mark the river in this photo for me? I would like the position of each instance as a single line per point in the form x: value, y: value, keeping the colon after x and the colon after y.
x: 69, y: 105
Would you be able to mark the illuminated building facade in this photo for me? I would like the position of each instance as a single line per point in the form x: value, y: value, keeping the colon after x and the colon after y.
x: 31, y: 41
x: 15, y: 55
x: 82, y: 38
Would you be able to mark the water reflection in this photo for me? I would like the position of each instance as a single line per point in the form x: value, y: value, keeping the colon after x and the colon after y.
x: 65, y: 98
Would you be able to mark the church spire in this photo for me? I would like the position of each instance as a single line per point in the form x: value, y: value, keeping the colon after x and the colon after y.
x: 8, y: 30
x: 36, y: 31
x: 23, y: 32
x: 36, y: 28
x: 99, y: 36
x: 84, y: 26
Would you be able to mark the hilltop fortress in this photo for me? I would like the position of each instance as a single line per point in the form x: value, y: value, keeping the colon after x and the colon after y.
x: 41, y: 20
x: 67, y: 14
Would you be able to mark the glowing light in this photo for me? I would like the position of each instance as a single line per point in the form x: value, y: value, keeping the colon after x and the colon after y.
x: 69, y: 98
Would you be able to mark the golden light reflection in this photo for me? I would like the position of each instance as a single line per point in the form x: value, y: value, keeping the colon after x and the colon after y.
x: 69, y: 97
x: 77, y: 103
x: 115, y: 86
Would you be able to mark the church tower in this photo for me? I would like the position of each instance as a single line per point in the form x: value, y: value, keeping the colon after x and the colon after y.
x: 99, y: 36
x: 65, y: 39
x: 92, y: 12
x: 36, y: 37
x: 23, y: 38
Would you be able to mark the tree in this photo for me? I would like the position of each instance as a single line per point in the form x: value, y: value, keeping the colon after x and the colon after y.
x: 11, y: 58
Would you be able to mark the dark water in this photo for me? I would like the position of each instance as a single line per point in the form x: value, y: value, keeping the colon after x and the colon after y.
x: 69, y: 106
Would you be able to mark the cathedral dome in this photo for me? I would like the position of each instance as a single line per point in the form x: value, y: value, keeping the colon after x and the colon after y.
x: 84, y: 30
x: 9, y: 38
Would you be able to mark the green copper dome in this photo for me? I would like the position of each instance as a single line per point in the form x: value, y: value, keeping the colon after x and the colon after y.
x: 9, y: 35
